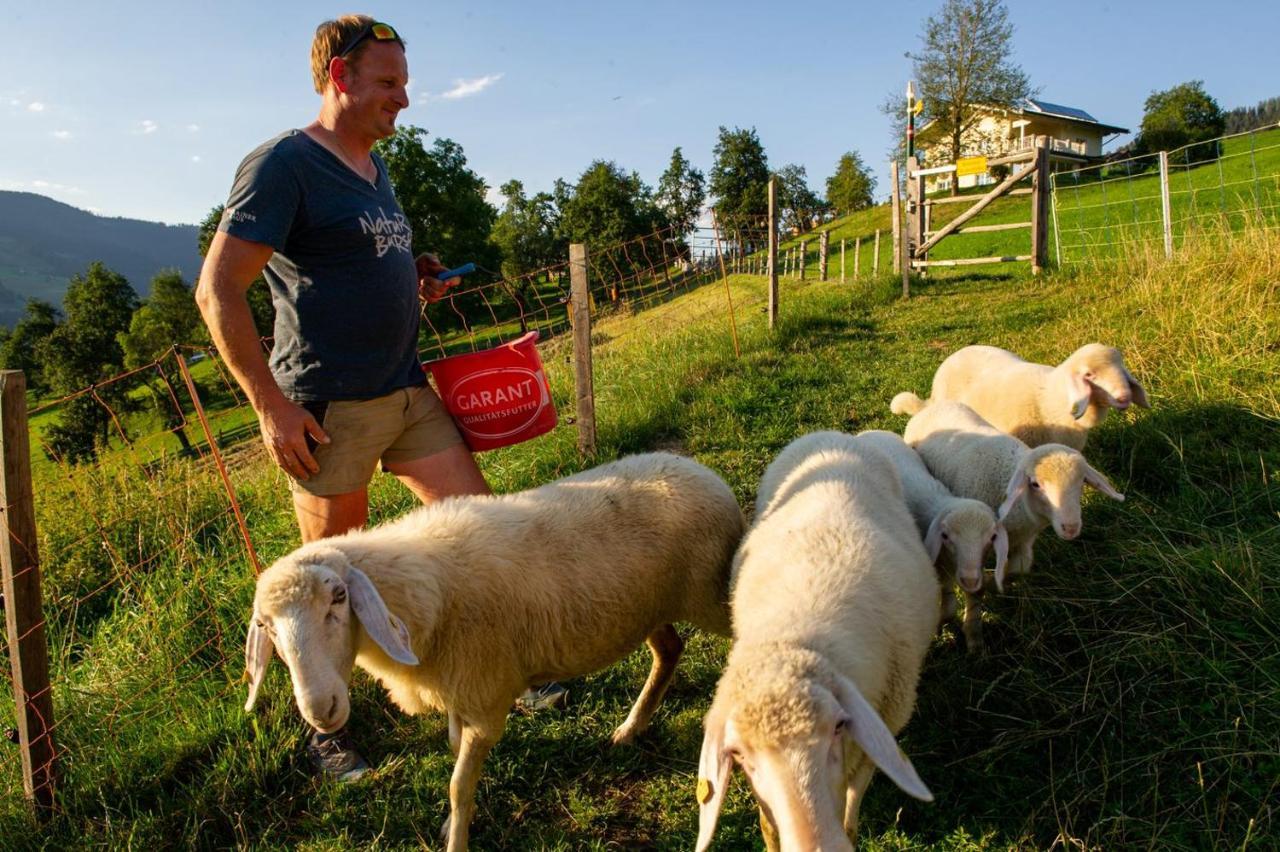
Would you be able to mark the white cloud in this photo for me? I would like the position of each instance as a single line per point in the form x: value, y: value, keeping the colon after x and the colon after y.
x: 14, y: 102
x: 195, y: 158
x: 193, y: 128
x: 61, y: 135
x: 35, y: 106
x: 467, y: 88
x: 56, y: 187
x: 147, y: 126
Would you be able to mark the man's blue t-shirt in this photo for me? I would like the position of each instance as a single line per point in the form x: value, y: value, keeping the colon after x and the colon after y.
x: 343, y: 279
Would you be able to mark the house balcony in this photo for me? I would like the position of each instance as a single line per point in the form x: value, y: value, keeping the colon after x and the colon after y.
x: 1069, y: 147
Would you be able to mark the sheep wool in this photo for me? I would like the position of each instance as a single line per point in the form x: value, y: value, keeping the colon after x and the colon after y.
x: 834, y: 605
x: 1036, y: 403
x: 462, y: 605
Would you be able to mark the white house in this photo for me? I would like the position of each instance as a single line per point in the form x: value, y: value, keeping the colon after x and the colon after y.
x: 1076, y: 138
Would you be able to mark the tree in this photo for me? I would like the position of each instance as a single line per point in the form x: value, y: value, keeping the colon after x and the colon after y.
x: 20, y: 349
x: 852, y: 187
x: 1244, y: 119
x: 442, y: 198
x: 681, y: 191
x: 964, y: 65
x: 84, y: 350
x: 799, y: 205
x: 740, y: 180
x: 607, y: 207
x: 259, y: 293
x: 527, y: 234
x: 1180, y: 117
x: 525, y: 231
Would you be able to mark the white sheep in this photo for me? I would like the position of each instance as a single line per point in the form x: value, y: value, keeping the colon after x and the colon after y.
x: 1029, y: 488
x: 1036, y: 403
x: 463, y: 605
x: 957, y: 531
x: 834, y: 606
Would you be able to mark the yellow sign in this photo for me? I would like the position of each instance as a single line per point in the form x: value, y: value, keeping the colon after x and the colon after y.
x: 704, y: 791
x: 918, y: 108
x: 970, y: 166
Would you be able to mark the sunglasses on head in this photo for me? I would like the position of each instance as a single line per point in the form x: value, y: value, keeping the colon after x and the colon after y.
x: 377, y: 31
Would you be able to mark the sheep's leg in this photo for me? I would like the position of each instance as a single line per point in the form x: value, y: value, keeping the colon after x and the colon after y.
x: 455, y: 733
x: 973, y: 624
x: 666, y: 646
x: 1020, y: 558
x: 474, y: 745
x: 853, y: 796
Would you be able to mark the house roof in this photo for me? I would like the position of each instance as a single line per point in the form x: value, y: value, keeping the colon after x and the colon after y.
x: 1035, y: 106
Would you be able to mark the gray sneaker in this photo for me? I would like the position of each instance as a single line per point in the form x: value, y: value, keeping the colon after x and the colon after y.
x: 335, y: 756
x: 549, y: 696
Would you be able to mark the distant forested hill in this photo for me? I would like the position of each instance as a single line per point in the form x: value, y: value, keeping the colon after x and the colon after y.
x: 44, y: 242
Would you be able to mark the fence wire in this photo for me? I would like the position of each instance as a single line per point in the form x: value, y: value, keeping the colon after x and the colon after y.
x: 1103, y: 210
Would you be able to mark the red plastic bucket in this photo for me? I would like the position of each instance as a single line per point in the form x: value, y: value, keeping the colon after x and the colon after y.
x: 498, y: 396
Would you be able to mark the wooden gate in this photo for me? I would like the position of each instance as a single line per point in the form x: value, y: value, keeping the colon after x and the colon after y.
x: 915, y: 238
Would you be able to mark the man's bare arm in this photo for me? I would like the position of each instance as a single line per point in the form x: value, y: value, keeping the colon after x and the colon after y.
x: 230, y: 267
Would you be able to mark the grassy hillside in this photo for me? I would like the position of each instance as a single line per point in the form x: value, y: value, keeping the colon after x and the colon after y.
x: 1131, y: 698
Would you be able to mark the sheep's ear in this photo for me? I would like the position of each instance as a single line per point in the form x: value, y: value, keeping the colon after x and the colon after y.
x: 1079, y: 391
x: 383, y: 627
x: 933, y: 539
x: 1138, y: 391
x: 1002, y: 556
x: 715, y: 765
x: 869, y: 731
x: 1100, y: 482
x: 257, y: 653
x: 1016, y: 488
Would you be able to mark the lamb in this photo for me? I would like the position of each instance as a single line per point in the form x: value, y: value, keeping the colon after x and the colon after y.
x: 1029, y: 488
x: 462, y: 605
x: 956, y: 530
x: 834, y: 606
x: 1035, y: 403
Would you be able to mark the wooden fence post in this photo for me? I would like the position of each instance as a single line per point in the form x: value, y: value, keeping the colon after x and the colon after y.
x: 875, y: 258
x: 23, y: 608
x: 773, y: 250
x: 823, y: 239
x: 842, y: 260
x: 580, y: 304
x: 897, y: 216
x: 804, y: 257
x: 1165, y: 210
x: 1040, y: 207
x: 857, y: 257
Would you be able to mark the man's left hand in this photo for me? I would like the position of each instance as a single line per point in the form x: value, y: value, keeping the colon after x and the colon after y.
x: 430, y: 288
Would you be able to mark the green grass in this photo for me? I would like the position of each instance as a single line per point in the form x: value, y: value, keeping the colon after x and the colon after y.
x: 1131, y: 698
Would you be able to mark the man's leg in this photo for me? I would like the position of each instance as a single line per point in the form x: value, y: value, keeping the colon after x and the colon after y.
x: 443, y: 474
x: 320, y: 517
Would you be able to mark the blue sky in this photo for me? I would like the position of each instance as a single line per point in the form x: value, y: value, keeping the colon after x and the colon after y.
x: 144, y: 109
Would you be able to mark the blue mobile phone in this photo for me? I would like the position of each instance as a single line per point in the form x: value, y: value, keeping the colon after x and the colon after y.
x: 464, y: 269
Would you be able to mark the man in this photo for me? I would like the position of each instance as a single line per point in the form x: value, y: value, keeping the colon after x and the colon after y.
x: 314, y: 211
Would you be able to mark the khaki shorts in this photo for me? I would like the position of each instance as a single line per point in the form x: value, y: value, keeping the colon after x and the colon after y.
x: 406, y: 424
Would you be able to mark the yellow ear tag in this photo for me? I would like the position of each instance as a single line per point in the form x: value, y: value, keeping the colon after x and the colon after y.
x: 704, y: 791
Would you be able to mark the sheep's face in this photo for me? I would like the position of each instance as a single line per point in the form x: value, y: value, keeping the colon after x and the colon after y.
x: 966, y: 533
x: 1052, y: 478
x: 305, y: 609
x: 793, y: 754
x: 309, y: 606
x: 1100, y: 380
x: 796, y: 743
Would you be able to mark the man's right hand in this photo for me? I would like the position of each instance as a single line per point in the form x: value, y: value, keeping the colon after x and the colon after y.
x: 285, y: 426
